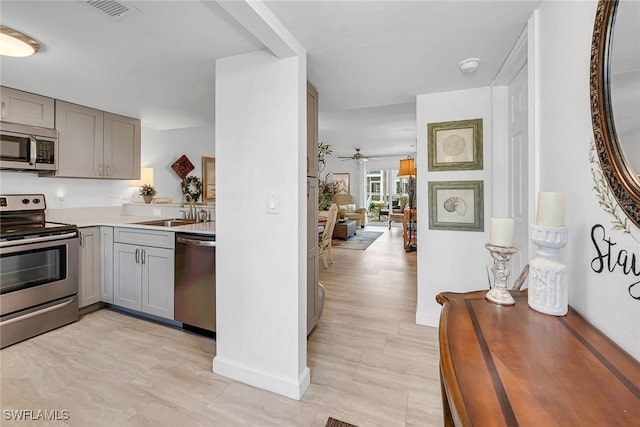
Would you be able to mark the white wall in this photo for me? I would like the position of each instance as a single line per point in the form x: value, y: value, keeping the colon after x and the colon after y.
x: 565, y: 134
x: 442, y: 253
x: 159, y: 150
x: 261, y: 257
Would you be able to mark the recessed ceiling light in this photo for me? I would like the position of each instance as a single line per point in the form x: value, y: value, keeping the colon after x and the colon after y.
x: 14, y: 43
x: 469, y: 65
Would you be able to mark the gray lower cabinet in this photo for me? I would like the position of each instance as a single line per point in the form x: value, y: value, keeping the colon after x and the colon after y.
x: 89, y: 266
x: 106, y: 257
x: 143, y: 276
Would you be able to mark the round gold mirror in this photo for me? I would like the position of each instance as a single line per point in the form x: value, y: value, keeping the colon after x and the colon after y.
x: 615, y: 99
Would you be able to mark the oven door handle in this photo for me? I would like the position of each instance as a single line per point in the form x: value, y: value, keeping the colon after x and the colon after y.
x: 37, y: 313
x: 37, y: 239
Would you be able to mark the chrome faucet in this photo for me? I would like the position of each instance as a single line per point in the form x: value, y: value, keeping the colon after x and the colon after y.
x: 203, y: 215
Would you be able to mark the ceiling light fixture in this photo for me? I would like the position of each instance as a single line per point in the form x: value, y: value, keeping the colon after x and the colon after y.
x: 14, y: 43
x: 469, y: 65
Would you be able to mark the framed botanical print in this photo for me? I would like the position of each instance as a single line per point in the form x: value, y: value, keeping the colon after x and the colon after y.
x: 455, y: 145
x: 208, y: 178
x: 456, y: 205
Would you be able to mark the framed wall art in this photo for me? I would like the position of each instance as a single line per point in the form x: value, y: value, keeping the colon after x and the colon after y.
x: 456, y: 205
x: 341, y: 183
x: 208, y: 179
x: 455, y: 145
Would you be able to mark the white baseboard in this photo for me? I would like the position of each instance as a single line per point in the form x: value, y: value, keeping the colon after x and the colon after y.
x: 266, y: 381
x: 426, y: 319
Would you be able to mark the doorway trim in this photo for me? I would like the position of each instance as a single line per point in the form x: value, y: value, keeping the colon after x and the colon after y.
x: 523, y: 54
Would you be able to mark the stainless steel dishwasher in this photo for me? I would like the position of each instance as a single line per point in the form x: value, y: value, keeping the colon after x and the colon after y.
x: 195, y: 281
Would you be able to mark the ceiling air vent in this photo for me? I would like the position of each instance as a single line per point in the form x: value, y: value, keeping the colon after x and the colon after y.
x: 113, y: 9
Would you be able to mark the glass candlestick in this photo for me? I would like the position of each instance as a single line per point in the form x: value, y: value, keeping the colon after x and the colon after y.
x: 498, y: 294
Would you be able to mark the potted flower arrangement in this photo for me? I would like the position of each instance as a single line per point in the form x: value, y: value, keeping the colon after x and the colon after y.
x: 147, y: 192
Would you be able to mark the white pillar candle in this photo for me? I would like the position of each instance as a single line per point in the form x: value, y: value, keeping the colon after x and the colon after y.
x: 551, y: 209
x: 501, y: 233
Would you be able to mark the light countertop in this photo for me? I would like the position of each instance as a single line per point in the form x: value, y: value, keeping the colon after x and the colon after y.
x: 110, y: 216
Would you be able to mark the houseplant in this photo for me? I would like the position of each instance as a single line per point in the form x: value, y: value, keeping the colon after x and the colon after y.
x: 325, y: 186
x: 147, y: 192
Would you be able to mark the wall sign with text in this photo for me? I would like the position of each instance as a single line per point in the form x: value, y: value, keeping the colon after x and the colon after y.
x: 611, y: 257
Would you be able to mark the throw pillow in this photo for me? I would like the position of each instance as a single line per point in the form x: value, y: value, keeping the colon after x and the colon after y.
x: 343, y: 208
x: 351, y: 208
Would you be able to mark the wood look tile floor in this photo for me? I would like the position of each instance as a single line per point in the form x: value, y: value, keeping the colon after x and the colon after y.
x: 371, y: 365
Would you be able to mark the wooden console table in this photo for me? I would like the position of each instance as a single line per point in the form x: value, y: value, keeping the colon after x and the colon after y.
x: 513, y: 366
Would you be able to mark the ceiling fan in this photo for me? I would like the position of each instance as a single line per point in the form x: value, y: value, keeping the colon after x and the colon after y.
x: 357, y: 156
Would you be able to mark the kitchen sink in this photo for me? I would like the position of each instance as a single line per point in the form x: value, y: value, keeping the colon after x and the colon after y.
x: 168, y: 222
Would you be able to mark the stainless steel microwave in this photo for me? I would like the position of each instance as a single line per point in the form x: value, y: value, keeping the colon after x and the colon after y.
x: 28, y: 147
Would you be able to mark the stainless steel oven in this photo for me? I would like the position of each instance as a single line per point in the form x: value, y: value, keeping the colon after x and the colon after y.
x: 28, y: 147
x: 38, y: 270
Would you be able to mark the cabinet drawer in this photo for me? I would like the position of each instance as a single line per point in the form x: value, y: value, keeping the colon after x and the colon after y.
x: 138, y: 236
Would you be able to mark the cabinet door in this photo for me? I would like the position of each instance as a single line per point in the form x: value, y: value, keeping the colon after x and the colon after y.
x: 121, y: 147
x: 80, y: 141
x: 89, y: 275
x: 127, y: 276
x: 106, y: 258
x: 312, y: 214
x: 312, y: 131
x: 27, y: 108
x: 157, y: 281
x: 313, y: 297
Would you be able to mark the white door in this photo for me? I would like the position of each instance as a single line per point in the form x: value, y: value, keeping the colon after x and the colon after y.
x: 518, y: 204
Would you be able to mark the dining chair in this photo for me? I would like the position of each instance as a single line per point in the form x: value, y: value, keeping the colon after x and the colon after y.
x: 327, y: 234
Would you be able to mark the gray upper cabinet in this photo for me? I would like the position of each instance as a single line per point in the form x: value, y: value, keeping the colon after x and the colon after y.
x: 80, y: 141
x: 27, y: 108
x: 96, y: 144
x: 121, y: 146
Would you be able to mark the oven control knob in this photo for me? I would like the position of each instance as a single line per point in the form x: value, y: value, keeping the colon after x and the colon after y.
x: 36, y: 201
x: 25, y: 201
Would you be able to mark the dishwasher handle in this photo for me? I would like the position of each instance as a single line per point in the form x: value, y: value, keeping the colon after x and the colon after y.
x: 186, y: 241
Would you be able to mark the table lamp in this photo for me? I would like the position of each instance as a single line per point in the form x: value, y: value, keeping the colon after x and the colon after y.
x: 408, y: 169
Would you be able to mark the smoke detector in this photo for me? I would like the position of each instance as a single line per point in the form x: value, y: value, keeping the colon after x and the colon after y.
x: 469, y: 65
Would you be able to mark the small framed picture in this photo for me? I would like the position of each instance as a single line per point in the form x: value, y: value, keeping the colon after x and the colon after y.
x: 209, y: 178
x: 456, y: 205
x: 341, y: 183
x: 455, y: 145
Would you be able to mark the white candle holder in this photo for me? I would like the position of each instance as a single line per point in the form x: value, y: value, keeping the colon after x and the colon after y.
x: 548, y: 288
x: 498, y: 294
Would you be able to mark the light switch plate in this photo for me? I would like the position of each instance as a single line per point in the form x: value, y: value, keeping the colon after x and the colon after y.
x: 273, y: 202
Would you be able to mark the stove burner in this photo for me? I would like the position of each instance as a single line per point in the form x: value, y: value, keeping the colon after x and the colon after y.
x: 23, y: 215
